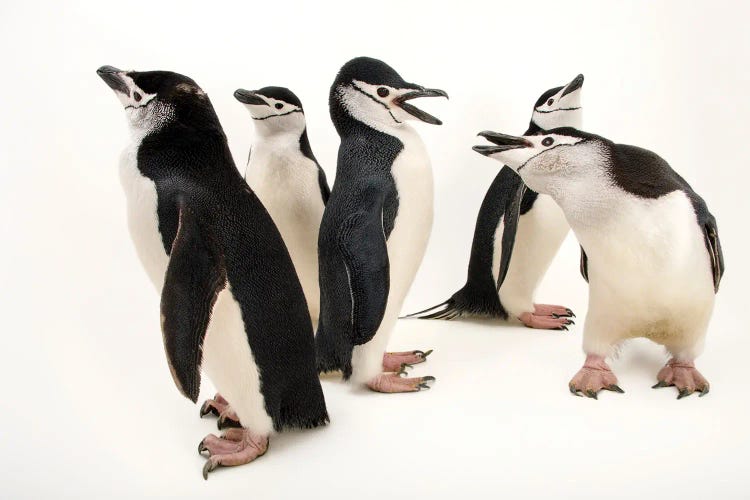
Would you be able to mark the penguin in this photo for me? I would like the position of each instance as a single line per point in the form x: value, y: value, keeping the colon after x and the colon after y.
x: 283, y: 172
x: 375, y: 226
x: 651, y: 249
x: 514, y: 216
x: 231, y: 303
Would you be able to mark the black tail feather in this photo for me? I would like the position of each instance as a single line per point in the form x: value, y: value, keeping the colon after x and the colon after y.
x: 464, y: 304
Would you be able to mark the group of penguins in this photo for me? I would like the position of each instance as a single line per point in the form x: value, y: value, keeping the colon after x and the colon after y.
x: 246, y: 267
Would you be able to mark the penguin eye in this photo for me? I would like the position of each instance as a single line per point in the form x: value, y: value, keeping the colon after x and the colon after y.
x: 137, y: 96
x: 278, y: 105
x: 549, y: 103
x: 547, y: 141
x: 383, y: 92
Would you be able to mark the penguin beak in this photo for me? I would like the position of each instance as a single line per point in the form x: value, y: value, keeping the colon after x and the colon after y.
x: 576, y: 84
x: 248, y: 97
x: 400, y: 101
x: 502, y: 142
x: 113, y: 78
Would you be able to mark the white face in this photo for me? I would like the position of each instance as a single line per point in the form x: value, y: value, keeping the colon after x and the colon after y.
x: 143, y: 110
x: 276, y: 116
x: 560, y: 110
x: 374, y: 104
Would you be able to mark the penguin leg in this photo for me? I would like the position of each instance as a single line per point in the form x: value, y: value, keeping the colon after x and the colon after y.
x: 393, y: 382
x: 234, y: 447
x: 220, y: 407
x: 594, y: 376
x: 682, y: 375
x: 397, y: 361
x: 545, y: 322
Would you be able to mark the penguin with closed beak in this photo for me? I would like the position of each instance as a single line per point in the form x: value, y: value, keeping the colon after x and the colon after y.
x: 375, y: 226
x: 231, y: 303
x: 651, y: 250
x: 500, y: 282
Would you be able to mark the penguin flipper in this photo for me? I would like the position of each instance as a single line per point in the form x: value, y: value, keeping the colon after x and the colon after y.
x: 363, y: 246
x: 584, y: 265
x: 195, y: 276
x: 510, y: 226
x: 713, y: 245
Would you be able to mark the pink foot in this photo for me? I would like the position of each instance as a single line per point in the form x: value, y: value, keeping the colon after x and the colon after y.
x: 235, y: 447
x: 594, y: 376
x: 545, y: 322
x: 392, y: 382
x: 684, y: 376
x: 220, y: 407
x: 395, y: 361
x: 554, y: 311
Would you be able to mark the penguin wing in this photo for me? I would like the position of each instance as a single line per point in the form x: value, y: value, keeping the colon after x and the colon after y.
x: 713, y: 245
x: 325, y: 191
x: 584, y: 265
x: 362, y: 243
x: 195, y: 276
x: 514, y: 192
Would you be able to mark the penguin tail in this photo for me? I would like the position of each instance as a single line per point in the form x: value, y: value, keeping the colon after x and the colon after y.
x: 464, y: 304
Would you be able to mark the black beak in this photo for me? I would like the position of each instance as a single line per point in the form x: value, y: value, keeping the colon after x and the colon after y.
x: 113, y: 77
x: 502, y: 143
x: 576, y: 84
x: 248, y: 97
x: 400, y: 101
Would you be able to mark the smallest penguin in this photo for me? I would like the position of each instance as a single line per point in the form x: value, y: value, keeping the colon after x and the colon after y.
x: 650, y: 247
x: 284, y: 174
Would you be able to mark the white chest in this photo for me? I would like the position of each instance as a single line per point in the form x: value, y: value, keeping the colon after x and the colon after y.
x: 143, y: 221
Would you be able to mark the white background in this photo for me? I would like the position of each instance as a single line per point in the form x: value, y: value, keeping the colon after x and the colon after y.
x: 88, y: 408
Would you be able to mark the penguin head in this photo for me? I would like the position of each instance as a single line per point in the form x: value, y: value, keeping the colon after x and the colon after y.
x: 549, y: 160
x: 153, y: 99
x: 559, y: 107
x: 273, y: 110
x: 369, y: 91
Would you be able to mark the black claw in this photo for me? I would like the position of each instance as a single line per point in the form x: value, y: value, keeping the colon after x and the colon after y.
x: 209, y: 467
x: 683, y: 393
x: 704, y: 391
x: 423, y: 355
x: 592, y: 394
x: 206, y: 408
x: 422, y: 386
x: 615, y: 388
x: 201, y: 448
x: 570, y: 313
x: 428, y: 378
x: 563, y: 327
x: 660, y: 384
x: 571, y: 322
x: 555, y: 315
x: 573, y: 390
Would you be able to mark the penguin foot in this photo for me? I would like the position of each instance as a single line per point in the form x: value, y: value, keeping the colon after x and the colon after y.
x: 683, y: 376
x: 554, y: 311
x: 556, y: 322
x: 397, y: 361
x: 393, y: 382
x: 215, y: 406
x: 594, y: 376
x: 228, y: 419
x: 234, y: 447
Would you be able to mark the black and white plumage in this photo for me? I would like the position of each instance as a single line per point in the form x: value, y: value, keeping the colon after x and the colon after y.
x: 231, y: 303
x: 378, y: 219
x: 283, y: 172
x: 652, y: 254
x: 501, y: 282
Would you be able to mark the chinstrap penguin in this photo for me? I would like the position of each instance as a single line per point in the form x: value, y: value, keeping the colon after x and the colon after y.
x: 284, y: 174
x: 512, y: 216
x: 651, y: 250
x: 231, y: 303
x: 375, y: 226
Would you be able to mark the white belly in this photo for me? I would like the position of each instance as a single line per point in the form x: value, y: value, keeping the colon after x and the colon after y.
x: 540, y: 233
x: 406, y: 247
x: 230, y: 364
x: 649, y: 275
x: 143, y: 221
x: 287, y: 185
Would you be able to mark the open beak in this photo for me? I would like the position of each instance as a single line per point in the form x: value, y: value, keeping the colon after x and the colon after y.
x: 249, y: 97
x: 400, y: 101
x: 576, y: 84
x: 502, y: 142
x: 113, y: 78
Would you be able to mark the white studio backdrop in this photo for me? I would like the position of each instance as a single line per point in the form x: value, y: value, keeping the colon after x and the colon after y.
x: 88, y: 407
